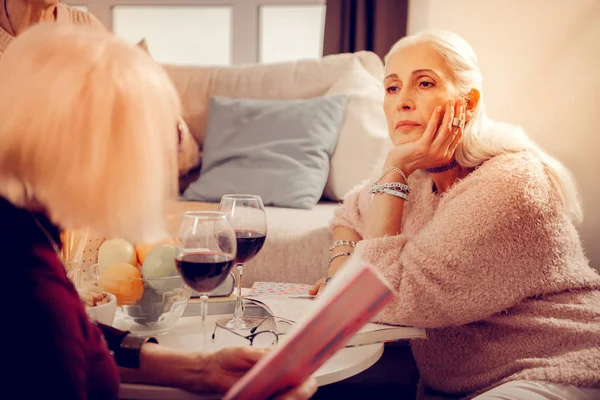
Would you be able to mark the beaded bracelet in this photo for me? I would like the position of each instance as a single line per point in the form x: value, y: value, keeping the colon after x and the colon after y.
x: 339, y: 243
x: 395, y: 169
x: 347, y: 253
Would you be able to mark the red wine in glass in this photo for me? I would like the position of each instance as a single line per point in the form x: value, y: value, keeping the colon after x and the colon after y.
x: 249, y: 243
x: 204, y: 272
x: 246, y: 213
x: 205, y: 254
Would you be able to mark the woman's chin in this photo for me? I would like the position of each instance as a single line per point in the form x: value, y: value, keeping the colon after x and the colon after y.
x: 399, y: 138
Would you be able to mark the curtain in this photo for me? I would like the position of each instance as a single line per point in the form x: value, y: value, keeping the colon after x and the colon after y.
x: 374, y: 25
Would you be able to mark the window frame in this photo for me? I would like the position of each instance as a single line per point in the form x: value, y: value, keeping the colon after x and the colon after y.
x: 245, y: 13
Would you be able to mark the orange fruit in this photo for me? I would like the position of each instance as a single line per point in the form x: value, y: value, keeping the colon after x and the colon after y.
x: 124, y: 281
x: 143, y: 249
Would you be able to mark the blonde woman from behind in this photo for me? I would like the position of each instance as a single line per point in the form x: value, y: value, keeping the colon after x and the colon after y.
x: 87, y: 139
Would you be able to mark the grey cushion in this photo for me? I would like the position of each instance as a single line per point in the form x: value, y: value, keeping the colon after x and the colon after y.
x: 277, y: 149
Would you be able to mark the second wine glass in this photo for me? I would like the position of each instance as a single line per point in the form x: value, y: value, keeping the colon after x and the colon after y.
x: 247, y: 217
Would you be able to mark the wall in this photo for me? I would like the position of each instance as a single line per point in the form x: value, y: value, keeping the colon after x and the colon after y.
x: 540, y: 61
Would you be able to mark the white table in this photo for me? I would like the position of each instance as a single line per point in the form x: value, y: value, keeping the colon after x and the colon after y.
x: 187, y: 335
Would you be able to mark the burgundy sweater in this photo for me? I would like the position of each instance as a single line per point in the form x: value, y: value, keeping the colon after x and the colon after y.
x: 50, y: 348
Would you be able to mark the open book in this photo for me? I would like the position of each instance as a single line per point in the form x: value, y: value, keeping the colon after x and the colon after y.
x: 356, y: 294
x: 296, y: 307
x: 278, y: 288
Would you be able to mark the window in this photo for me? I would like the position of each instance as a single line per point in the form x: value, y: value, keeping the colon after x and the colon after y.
x: 216, y: 32
x: 291, y: 32
x: 178, y: 34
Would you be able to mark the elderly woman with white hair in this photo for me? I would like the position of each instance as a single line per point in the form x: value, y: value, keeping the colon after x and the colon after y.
x: 87, y: 139
x: 474, y: 225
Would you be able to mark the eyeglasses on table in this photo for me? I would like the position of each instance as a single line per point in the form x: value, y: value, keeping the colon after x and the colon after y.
x: 265, y: 334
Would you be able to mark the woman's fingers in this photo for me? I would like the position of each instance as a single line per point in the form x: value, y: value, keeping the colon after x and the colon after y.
x: 457, y: 137
x: 454, y: 129
x: 432, y: 125
x: 316, y: 287
x: 446, y: 129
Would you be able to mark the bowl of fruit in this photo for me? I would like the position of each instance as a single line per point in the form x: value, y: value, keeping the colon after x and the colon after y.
x: 150, y: 294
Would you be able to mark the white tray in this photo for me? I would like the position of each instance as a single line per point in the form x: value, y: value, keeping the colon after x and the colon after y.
x: 187, y: 336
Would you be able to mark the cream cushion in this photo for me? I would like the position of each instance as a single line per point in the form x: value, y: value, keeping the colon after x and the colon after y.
x: 364, y: 131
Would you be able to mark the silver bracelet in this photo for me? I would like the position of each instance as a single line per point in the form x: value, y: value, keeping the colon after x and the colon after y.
x: 339, y: 243
x: 347, y: 253
x: 396, y: 185
x: 396, y: 193
x: 396, y: 169
x: 375, y: 188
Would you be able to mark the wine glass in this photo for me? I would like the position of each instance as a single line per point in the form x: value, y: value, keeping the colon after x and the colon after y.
x: 205, y: 254
x: 247, y: 217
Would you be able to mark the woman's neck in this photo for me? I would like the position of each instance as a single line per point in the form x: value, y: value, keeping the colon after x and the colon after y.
x: 444, y: 180
x: 21, y: 15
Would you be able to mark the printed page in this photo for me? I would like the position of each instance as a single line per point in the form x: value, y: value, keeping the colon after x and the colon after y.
x: 286, y: 307
x: 278, y: 288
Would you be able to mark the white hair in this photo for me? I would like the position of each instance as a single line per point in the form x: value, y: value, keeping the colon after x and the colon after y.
x: 88, y: 131
x: 482, y: 137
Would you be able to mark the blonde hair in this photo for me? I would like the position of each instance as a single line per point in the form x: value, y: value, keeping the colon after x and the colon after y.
x: 482, y: 137
x: 88, y: 131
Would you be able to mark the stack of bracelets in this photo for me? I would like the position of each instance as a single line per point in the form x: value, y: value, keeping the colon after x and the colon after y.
x: 397, y: 189
x: 336, y: 244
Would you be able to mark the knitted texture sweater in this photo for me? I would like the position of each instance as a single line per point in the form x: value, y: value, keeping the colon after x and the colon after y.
x: 495, y: 270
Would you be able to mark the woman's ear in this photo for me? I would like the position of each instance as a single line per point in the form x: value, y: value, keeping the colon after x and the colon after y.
x: 472, y: 101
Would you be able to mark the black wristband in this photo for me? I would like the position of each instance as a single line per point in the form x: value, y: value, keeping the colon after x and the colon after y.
x: 128, y: 353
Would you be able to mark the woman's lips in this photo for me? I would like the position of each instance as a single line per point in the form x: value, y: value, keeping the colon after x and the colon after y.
x: 406, y: 125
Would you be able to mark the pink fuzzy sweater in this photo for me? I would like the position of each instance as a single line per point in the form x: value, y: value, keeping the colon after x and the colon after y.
x: 495, y: 270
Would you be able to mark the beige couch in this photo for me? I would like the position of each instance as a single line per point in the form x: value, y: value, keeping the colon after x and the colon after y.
x: 297, y: 243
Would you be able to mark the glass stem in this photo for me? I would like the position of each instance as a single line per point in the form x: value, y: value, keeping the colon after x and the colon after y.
x: 239, y: 305
x: 204, y: 312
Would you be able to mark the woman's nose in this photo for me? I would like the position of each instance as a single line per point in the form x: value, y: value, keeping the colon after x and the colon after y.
x: 405, y: 102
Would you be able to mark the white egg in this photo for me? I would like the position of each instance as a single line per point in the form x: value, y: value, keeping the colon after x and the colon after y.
x: 115, y: 251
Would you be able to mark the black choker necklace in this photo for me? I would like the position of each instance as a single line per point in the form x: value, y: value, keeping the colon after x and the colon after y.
x: 443, y: 168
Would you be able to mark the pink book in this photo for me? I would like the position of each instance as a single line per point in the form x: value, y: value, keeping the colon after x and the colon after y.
x: 352, y: 298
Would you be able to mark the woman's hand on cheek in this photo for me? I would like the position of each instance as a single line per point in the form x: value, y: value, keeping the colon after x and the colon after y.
x: 436, y: 146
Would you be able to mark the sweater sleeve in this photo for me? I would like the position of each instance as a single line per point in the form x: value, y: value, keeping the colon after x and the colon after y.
x: 348, y: 214
x: 492, y: 242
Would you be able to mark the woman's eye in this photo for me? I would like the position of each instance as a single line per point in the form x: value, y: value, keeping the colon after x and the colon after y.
x: 426, y: 84
x: 391, y: 89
